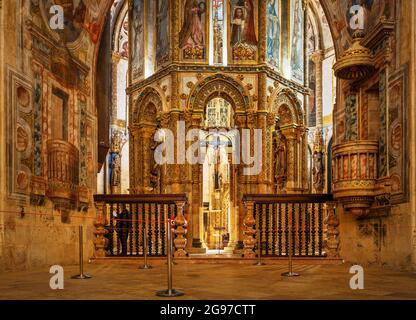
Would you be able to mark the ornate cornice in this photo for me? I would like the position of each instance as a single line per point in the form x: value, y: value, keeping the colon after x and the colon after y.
x: 216, y: 69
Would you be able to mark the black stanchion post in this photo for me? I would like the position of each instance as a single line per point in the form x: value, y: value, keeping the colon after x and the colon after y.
x: 170, y: 292
x: 145, y: 266
x: 81, y: 274
x: 259, y: 262
x: 290, y: 273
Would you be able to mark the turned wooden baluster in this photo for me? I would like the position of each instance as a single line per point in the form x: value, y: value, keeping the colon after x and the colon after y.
x: 300, y: 229
x: 313, y: 232
x: 249, y: 241
x: 131, y: 231
x: 273, y: 229
x: 320, y: 229
x: 280, y: 230
x: 136, y: 229
x: 307, y: 229
x: 180, y: 240
x: 163, y: 231
x: 287, y: 229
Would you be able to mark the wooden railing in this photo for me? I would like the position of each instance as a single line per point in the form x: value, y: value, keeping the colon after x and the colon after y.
x: 310, y: 220
x: 123, y: 222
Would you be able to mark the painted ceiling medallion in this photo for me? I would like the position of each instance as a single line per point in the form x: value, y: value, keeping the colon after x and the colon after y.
x: 357, y: 62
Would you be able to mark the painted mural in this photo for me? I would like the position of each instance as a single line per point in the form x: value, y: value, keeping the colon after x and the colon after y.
x: 192, y: 37
x: 243, y: 38
x: 312, y: 96
x: 79, y: 16
x: 162, y: 32
x: 137, y: 37
x: 372, y: 10
x: 297, y: 40
x: 273, y: 33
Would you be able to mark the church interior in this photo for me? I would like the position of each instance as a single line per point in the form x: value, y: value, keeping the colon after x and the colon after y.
x: 216, y: 132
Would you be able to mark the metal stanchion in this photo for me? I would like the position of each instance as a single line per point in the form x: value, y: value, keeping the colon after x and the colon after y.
x: 81, y: 274
x: 173, y: 256
x: 290, y: 273
x: 259, y: 262
x: 170, y: 292
x: 145, y: 266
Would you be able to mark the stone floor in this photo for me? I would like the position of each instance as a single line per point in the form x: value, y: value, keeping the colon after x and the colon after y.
x: 121, y: 280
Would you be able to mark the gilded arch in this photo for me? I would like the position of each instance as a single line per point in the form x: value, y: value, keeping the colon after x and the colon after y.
x: 288, y: 107
x: 147, y: 107
x: 218, y: 86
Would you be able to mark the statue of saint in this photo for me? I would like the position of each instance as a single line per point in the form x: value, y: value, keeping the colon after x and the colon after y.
x: 280, y: 159
x: 115, y: 171
x: 154, y: 168
x: 317, y: 171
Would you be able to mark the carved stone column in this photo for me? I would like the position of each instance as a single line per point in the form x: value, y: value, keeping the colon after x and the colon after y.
x: 195, y: 198
x: 262, y: 31
x: 262, y: 186
x: 100, y: 242
x: 240, y: 122
x: 249, y: 241
x: 180, y: 240
x: 317, y: 58
x: 147, y: 133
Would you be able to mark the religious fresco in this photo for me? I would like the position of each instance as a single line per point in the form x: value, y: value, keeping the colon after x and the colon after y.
x: 218, y: 30
x: 340, y: 15
x: 372, y: 10
x: 193, y: 34
x: 162, y: 32
x: 273, y: 33
x: 123, y: 38
x: 312, y: 96
x: 137, y: 41
x: 242, y: 33
x: 79, y: 16
x: 297, y: 40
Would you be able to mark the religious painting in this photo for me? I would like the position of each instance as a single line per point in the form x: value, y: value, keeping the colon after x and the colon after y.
x: 312, y: 96
x: 297, y: 40
x: 137, y: 40
x: 218, y: 30
x: 242, y: 33
x: 162, y: 32
x: 193, y: 34
x: 123, y: 38
x: 79, y: 16
x: 273, y: 33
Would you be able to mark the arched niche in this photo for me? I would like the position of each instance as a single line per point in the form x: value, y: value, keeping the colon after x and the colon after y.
x: 218, y: 86
x: 290, y: 144
x: 145, y: 173
x: 147, y: 108
x: 288, y: 108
